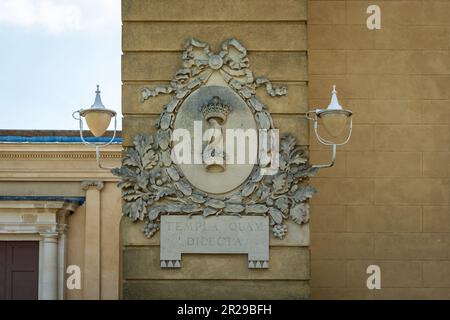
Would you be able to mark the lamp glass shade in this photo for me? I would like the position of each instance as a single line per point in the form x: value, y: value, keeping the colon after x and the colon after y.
x: 334, y: 121
x: 98, y: 121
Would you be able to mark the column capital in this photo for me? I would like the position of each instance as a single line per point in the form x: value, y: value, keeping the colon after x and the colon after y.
x: 50, y: 236
x: 88, y: 184
x: 70, y: 207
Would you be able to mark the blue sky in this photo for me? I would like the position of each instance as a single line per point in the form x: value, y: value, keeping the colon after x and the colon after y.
x: 52, y: 54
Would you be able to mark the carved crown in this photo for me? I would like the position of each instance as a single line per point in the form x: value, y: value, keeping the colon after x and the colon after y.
x: 216, y: 109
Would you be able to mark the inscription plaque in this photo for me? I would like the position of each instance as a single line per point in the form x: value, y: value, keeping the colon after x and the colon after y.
x: 221, y: 235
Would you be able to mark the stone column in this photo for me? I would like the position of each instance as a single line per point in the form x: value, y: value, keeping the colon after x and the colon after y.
x: 49, y: 266
x: 61, y: 264
x: 91, y: 273
x: 63, y: 214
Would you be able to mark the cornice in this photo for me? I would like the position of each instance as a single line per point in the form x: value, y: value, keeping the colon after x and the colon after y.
x: 56, y: 175
x: 56, y: 150
x: 59, y: 155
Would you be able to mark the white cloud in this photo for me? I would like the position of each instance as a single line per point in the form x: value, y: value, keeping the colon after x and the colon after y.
x: 61, y: 16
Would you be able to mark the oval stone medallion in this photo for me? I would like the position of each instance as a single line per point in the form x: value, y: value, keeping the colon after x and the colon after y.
x: 205, y: 106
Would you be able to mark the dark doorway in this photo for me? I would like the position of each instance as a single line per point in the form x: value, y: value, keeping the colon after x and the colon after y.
x: 19, y: 270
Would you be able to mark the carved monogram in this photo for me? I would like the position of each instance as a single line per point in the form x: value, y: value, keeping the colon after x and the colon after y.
x: 152, y: 185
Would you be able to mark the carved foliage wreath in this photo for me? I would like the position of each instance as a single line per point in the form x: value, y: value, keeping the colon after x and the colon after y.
x: 152, y: 185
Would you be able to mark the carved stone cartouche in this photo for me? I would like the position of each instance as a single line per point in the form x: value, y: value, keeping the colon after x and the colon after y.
x: 152, y: 185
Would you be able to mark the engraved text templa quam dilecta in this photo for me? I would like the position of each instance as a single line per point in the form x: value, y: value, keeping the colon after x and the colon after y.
x: 215, y: 235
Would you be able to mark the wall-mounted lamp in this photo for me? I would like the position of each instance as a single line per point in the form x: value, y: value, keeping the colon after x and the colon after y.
x: 98, y: 119
x: 334, y: 119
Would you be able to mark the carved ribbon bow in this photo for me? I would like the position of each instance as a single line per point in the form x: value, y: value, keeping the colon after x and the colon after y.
x: 199, y: 62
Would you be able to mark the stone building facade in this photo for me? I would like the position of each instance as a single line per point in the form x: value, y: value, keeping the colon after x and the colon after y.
x: 386, y: 202
x: 58, y: 213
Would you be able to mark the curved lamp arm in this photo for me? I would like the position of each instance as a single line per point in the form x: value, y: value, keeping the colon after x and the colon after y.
x: 328, y: 165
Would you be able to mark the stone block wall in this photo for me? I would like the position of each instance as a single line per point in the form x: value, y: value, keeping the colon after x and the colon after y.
x: 275, y: 35
x: 387, y: 200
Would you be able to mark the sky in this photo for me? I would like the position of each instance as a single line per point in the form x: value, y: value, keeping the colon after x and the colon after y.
x: 53, y: 53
